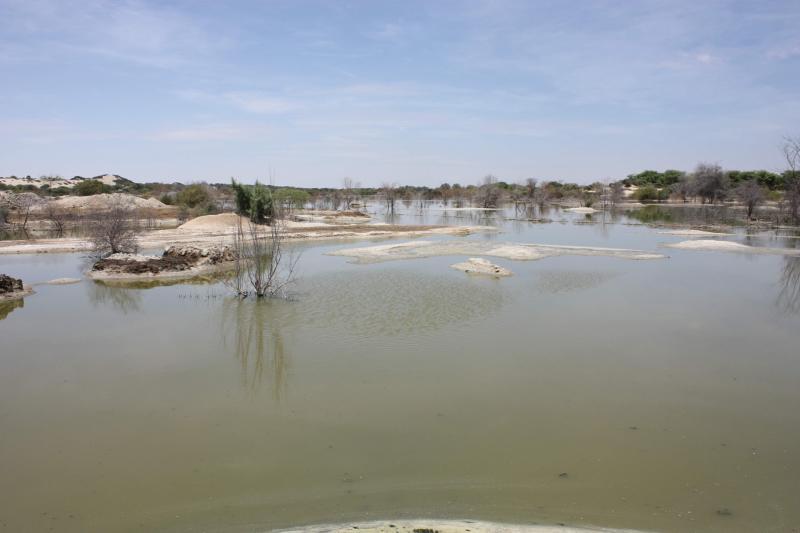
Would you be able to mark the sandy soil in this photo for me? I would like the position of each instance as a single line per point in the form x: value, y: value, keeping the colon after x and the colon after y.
x: 445, y: 526
x: 693, y: 233
x: 219, y: 229
x: 481, y: 266
x: 102, y: 201
x: 513, y: 251
x: 707, y: 245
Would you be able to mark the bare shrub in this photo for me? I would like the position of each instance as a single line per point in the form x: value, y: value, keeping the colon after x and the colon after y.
x: 113, y: 230
x: 22, y: 204
x: 262, y: 266
x: 751, y: 194
x: 389, y: 193
x: 791, y: 152
x: 56, y: 216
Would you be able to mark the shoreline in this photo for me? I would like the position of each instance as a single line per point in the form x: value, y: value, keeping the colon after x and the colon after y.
x: 165, y: 237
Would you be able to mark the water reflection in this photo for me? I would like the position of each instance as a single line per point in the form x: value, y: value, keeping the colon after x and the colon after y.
x: 257, y: 342
x: 123, y: 299
x: 789, y: 295
x: 8, y: 306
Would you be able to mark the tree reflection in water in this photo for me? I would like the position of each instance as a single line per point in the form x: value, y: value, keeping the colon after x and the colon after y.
x: 789, y: 296
x: 257, y: 342
x: 125, y: 299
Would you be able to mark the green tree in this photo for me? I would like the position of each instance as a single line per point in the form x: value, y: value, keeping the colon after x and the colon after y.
x: 90, y: 188
x: 193, y: 196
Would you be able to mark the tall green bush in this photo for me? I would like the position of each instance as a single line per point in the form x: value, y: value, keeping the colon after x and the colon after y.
x: 254, y: 201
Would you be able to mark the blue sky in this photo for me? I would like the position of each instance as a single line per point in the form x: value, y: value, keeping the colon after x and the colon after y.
x: 404, y: 91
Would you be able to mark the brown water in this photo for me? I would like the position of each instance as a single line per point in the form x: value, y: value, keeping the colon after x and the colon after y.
x: 657, y: 395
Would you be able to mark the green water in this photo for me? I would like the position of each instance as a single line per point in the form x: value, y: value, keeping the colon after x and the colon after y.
x: 657, y: 395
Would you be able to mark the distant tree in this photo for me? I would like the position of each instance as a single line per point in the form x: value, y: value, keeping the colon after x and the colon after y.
x: 91, y: 187
x: 488, y: 192
x: 710, y: 182
x: 684, y: 187
x: 193, y: 195
x: 648, y: 193
x: 389, y: 193
x: 751, y: 194
x: 791, y: 177
x: 617, y: 193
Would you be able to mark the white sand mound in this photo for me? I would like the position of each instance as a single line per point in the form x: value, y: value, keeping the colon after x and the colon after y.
x: 445, y: 526
x: 708, y: 245
x: 513, y: 251
x: 692, y: 233
x: 582, y: 210
x: 479, y: 265
x: 220, y: 222
x: 105, y: 201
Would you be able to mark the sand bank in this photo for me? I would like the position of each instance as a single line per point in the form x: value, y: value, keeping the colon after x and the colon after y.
x: 479, y: 265
x: 707, y: 245
x: 445, y: 526
x: 693, y: 233
x: 219, y: 229
x: 513, y: 251
x: 585, y: 210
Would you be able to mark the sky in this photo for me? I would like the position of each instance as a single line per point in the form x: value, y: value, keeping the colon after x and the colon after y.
x: 306, y: 93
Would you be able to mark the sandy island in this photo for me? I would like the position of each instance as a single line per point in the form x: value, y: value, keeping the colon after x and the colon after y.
x: 513, y: 251
x: 708, y: 245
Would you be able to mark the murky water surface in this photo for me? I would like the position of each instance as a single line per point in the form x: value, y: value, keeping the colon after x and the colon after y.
x: 657, y: 395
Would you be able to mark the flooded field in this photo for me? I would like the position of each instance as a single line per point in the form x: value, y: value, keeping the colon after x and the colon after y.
x: 583, y: 390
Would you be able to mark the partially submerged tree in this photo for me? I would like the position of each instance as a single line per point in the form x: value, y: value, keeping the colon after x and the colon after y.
x: 791, y: 178
x: 488, y: 193
x: 21, y: 204
x: 262, y: 267
x: 389, y: 193
x: 751, y: 194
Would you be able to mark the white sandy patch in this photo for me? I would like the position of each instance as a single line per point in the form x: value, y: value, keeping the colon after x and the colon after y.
x: 479, y: 265
x: 693, y: 233
x: 513, y: 251
x: 103, y: 201
x: 60, y: 281
x: 222, y: 222
x: 585, y: 210
x: 445, y: 526
x: 727, y: 246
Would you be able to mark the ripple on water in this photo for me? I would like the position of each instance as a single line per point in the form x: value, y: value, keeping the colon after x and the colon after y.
x: 560, y: 281
x: 396, y: 302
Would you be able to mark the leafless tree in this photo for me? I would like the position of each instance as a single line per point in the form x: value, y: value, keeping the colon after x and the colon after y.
x: 262, y: 266
x: 617, y: 193
x: 389, y: 193
x: 791, y: 152
x: 22, y: 203
x: 710, y: 182
x: 684, y: 187
x: 348, y: 192
x: 488, y: 194
x: 113, y: 230
x: 751, y: 194
x: 56, y: 216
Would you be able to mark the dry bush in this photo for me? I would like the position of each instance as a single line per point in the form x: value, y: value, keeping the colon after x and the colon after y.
x: 114, y: 230
x: 262, y: 266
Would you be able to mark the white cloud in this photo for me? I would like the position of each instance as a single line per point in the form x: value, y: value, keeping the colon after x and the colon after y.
x: 211, y: 132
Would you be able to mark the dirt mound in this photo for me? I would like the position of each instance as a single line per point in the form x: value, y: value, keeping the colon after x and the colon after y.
x: 99, y: 202
x: 221, y: 222
x: 176, y: 258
